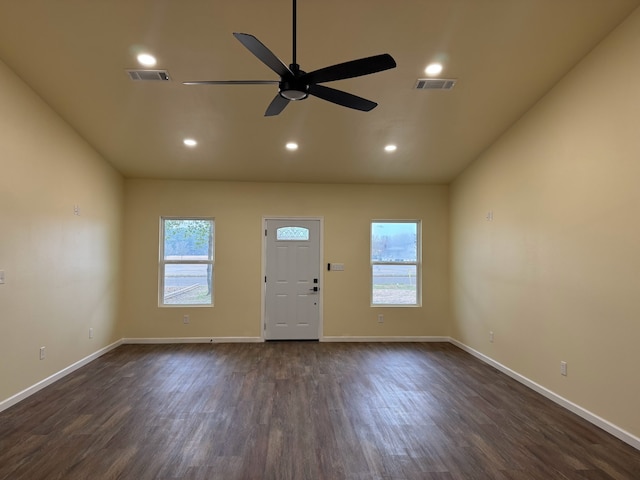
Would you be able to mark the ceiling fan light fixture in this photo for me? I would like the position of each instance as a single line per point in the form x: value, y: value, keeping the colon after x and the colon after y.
x: 294, y: 95
x: 293, y: 89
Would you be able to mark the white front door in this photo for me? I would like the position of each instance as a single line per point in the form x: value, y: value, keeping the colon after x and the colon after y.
x: 292, y: 283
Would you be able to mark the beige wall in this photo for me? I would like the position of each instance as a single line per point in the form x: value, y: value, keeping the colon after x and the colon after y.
x: 239, y: 209
x: 62, y: 271
x: 556, y: 274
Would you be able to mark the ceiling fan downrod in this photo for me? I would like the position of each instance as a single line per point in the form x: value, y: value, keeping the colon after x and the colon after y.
x: 291, y: 88
x: 294, y: 32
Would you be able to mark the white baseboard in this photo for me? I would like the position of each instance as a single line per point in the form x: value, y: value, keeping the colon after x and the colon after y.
x: 170, y: 340
x: 27, y: 392
x: 384, y: 339
x: 563, y: 402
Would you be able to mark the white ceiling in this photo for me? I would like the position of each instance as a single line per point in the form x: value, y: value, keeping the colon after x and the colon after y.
x: 505, y: 54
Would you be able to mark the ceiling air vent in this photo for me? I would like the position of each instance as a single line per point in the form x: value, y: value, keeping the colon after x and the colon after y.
x: 435, y: 83
x: 148, y: 75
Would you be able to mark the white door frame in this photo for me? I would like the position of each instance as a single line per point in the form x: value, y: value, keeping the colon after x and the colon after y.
x: 263, y: 296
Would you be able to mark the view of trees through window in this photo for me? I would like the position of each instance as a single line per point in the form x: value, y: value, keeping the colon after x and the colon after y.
x: 395, y: 263
x: 186, y: 265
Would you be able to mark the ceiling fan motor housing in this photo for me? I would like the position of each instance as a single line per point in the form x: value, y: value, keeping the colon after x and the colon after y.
x: 292, y: 87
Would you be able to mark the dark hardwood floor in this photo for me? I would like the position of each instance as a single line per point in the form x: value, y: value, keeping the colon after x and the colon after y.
x: 300, y: 411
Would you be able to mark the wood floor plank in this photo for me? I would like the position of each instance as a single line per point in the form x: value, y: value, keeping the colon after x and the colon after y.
x: 289, y: 411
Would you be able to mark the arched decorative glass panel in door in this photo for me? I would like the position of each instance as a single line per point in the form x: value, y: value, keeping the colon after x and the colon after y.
x: 292, y: 233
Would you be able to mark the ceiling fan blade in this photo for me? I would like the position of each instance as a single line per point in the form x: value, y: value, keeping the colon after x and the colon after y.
x: 276, y: 106
x: 232, y: 82
x: 342, y: 98
x: 265, y: 55
x: 354, y: 68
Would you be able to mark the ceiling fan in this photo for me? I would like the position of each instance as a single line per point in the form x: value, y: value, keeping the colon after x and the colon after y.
x: 295, y: 84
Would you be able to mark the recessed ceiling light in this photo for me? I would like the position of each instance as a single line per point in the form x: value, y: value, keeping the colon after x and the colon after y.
x: 291, y: 146
x: 390, y: 148
x: 146, y: 60
x: 190, y: 142
x: 433, y: 69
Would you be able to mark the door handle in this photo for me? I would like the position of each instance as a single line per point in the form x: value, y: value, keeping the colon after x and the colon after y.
x: 314, y: 289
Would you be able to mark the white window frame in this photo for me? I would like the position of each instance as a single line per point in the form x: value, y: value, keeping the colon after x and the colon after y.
x: 417, y: 263
x: 162, y: 262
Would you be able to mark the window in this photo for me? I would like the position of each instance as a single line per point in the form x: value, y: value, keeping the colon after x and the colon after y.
x: 186, y: 261
x: 395, y: 263
x: 292, y: 233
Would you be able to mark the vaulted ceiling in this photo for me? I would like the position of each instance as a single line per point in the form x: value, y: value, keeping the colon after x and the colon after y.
x: 504, y: 54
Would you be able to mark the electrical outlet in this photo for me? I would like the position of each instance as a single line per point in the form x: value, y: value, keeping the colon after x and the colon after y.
x: 185, y: 319
x: 563, y: 368
x: 91, y: 333
x: 43, y: 353
x: 491, y: 337
x: 76, y: 209
x: 380, y: 318
x: 1, y: 277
